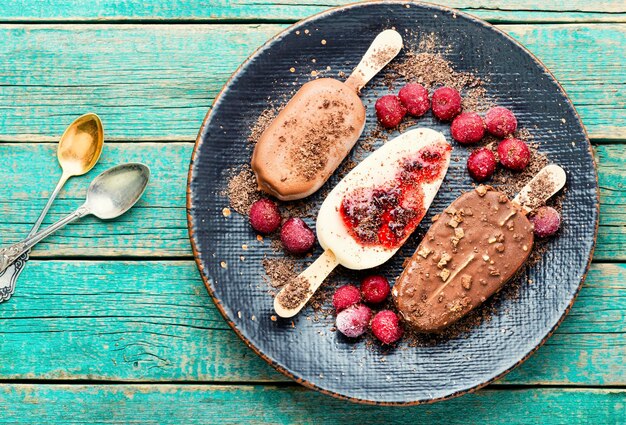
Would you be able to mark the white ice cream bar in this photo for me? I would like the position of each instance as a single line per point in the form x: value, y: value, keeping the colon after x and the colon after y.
x: 380, y: 170
x: 373, y: 210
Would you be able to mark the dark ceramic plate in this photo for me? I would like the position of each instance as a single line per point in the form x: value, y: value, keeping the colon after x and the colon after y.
x: 309, y: 351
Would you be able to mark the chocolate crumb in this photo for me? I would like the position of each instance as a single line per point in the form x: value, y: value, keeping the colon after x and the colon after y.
x: 280, y: 271
x: 294, y: 293
x: 242, y: 190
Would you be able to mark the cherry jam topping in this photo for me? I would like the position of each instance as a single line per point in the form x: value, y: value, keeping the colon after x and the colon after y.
x: 386, y: 215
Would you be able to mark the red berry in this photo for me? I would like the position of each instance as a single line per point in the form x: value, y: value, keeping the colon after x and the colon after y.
x: 346, y: 296
x: 500, y: 121
x: 514, y: 154
x: 481, y: 164
x: 353, y: 321
x: 468, y: 128
x: 386, y: 327
x: 375, y: 289
x: 264, y: 216
x: 296, y: 236
x: 546, y: 221
x: 415, y: 98
x: 390, y: 110
x: 446, y: 103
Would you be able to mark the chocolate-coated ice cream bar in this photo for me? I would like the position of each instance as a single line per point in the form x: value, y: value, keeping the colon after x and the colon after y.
x: 317, y: 128
x: 473, y: 248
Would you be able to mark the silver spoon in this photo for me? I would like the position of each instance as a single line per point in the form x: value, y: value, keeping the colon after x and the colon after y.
x: 79, y: 149
x: 110, y: 195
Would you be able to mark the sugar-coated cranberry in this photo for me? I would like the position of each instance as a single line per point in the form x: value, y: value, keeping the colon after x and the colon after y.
x: 467, y: 128
x: 414, y: 97
x: 353, y: 321
x: 296, y: 236
x: 500, y: 121
x: 446, y: 103
x: 390, y: 110
x: 481, y: 164
x: 386, y: 327
x: 514, y: 154
x: 375, y: 289
x: 546, y: 221
x: 264, y: 216
x: 346, y: 296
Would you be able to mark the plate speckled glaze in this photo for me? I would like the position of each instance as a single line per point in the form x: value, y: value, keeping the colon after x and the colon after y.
x: 307, y: 350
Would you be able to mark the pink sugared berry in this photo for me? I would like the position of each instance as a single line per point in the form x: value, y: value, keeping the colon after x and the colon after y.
x: 375, y: 289
x: 296, y: 236
x: 446, y: 103
x: 386, y: 327
x: 264, y: 216
x: 500, y: 121
x: 467, y: 128
x: 514, y: 154
x: 546, y: 221
x: 346, y: 296
x: 414, y: 97
x: 481, y: 164
x: 390, y: 110
x: 353, y: 321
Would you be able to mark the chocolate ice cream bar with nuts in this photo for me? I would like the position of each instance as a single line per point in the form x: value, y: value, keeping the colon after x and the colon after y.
x: 474, y: 247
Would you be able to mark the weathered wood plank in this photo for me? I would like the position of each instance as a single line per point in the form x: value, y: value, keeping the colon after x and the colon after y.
x: 291, y: 10
x: 156, y: 82
x: 155, y: 321
x: 157, y: 226
x: 201, y: 404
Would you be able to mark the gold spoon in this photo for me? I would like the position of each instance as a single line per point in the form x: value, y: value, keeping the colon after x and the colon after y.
x: 79, y: 150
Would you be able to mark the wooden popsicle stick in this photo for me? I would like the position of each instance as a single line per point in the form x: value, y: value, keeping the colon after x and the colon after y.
x: 314, y: 275
x: 548, y: 181
x: 383, y: 49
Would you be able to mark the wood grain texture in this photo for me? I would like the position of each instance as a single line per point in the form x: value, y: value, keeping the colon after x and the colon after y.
x: 201, y: 404
x: 156, y: 82
x: 291, y: 10
x: 30, y: 171
x: 154, y: 321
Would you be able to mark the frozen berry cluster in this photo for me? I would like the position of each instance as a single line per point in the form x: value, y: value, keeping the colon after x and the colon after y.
x: 295, y: 235
x: 355, y: 317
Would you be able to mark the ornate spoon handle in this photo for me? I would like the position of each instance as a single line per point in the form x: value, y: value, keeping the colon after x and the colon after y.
x: 10, y: 254
x: 8, y: 277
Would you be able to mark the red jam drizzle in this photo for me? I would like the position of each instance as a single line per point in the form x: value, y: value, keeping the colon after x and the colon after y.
x: 386, y: 215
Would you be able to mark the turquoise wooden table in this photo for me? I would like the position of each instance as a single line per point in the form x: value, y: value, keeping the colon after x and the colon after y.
x: 111, y: 322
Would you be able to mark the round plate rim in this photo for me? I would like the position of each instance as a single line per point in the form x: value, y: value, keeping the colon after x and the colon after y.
x: 266, y: 358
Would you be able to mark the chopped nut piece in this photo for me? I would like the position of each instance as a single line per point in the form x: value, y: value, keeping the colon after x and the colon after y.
x: 444, y: 274
x: 483, y: 282
x: 244, y: 247
x: 525, y: 248
x: 451, y: 210
x: 502, y: 199
x: 224, y: 265
x: 500, y: 247
x: 500, y: 237
x: 445, y: 257
x: 424, y: 251
x: 459, y: 233
x: 455, y: 241
x: 492, y: 239
x: 440, y: 298
x: 482, y: 190
x: 453, y: 222
x: 466, y: 281
x: 493, y: 271
x: 485, y: 257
